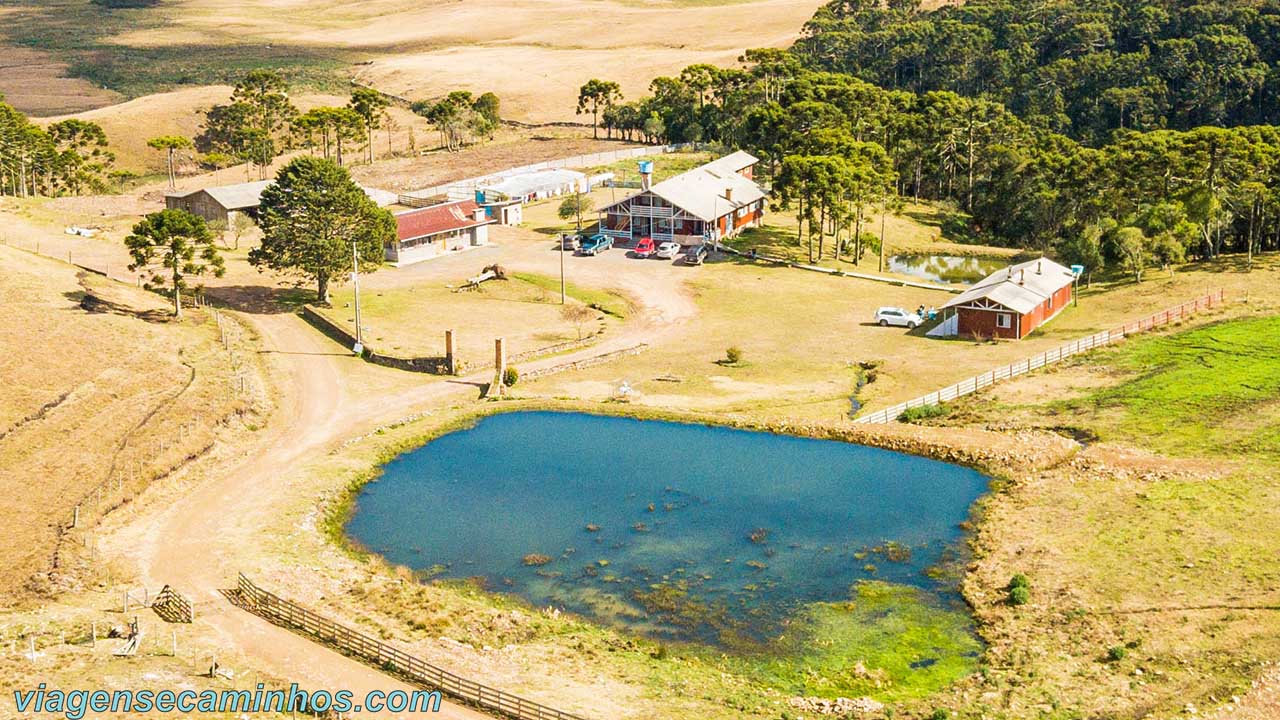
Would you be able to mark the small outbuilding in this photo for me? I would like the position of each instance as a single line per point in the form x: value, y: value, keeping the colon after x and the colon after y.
x: 433, y: 231
x: 1012, y: 302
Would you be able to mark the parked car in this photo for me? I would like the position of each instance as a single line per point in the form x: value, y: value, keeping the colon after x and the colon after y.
x: 887, y: 316
x: 696, y: 254
x: 595, y: 245
x: 668, y: 250
x: 644, y: 248
x: 570, y: 242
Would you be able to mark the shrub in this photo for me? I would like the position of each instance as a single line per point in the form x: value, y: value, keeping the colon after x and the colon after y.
x: 733, y: 356
x: 939, y: 714
x: 1019, y: 595
x: 511, y: 376
x: 1019, y: 580
x: 924, y: 412
x: 1116, y: 653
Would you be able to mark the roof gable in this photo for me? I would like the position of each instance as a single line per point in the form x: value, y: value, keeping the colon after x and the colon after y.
x: 1020, y: 287
x: 709, y: 191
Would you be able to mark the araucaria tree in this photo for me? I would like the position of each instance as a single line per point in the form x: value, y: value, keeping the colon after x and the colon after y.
x: 311, y: 218
x: 171, y: 144
x: 172, y: 245
x: 253, y: 125
x: 369, y: 104
x: 598, y: 95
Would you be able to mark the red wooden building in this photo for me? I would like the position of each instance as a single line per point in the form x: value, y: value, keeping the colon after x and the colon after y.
x: 1012, y: 302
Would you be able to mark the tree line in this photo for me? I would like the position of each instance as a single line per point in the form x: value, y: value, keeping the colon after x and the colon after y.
x: 834, y: 146
x: 66, y: 158
x: 1083, y: 68
x: 261, y: 122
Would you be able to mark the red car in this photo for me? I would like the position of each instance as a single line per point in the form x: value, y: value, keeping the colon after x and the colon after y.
x: 644, y: 248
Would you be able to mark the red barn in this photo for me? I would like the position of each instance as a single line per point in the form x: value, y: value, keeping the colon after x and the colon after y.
x: 1010, y: 303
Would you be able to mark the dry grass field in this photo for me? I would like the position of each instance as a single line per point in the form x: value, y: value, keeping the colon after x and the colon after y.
x: 119, y: 394
x: 533, y: 53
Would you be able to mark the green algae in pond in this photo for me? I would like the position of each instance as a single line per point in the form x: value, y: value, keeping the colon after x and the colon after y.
x: 890, y: 642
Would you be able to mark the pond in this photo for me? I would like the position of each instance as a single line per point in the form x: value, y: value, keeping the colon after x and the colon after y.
x: 960, y: 269
x: 672, y: 530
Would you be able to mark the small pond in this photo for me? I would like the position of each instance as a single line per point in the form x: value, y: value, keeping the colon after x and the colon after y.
x: 961, y: 269
x: 671, y: 530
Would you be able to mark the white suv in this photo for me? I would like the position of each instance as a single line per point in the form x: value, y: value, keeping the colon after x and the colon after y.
x: 887, y: 316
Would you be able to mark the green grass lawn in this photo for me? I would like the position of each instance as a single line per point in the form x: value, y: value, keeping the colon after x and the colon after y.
x: 1213, y: 390
x: 602, y: 300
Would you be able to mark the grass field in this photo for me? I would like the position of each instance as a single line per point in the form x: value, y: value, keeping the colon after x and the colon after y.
x: 90, y: 397
x: 1153, y: 576
x: 525, y: 310
x: 415, y: 50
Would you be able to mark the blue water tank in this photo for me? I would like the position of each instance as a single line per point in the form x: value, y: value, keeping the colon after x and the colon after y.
x: 646, y: 167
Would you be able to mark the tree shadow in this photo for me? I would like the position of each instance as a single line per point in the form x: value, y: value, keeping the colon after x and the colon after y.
x: 261, y: 299
x: 95, y: 304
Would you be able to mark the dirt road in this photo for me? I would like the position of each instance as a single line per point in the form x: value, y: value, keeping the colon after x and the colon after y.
x: 199, y: 542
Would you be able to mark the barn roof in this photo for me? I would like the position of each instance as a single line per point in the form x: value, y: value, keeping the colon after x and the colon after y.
x: 243, y: 196
x: 437, y: 219
x: 701, y: 192
x: 1020, y: 287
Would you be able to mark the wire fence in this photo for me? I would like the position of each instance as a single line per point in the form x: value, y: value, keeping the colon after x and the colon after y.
x: 1058, y: 354
x: 390, y: 659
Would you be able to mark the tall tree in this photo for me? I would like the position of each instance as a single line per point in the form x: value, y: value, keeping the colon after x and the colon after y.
x: 369, y: 104
x: 312, y: 216
x: 598, y: 95
x: 171, y: 144
x: 172, y: 245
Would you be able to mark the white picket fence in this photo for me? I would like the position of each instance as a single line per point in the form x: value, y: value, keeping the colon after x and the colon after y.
x: 1058, y: 354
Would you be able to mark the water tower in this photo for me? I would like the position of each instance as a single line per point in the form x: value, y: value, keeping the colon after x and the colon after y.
x: 646, y: 174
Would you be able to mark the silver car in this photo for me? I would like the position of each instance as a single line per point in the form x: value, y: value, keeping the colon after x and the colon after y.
x: 887, y: 316
x: 668, y: 250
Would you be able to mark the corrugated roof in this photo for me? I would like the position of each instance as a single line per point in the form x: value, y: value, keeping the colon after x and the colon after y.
x: 1019, y: 287
x: 438, y: 219
x: 733, y: 162
x: 243, y: 196
x: 534, y: 182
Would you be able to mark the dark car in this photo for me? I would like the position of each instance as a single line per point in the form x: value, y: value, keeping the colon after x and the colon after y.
x: 696, y: 254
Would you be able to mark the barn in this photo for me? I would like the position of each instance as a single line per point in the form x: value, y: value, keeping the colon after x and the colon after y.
x: 713, y: 201
x: 223, y: 202
x: 437, y: 230
x: 1012, y: 302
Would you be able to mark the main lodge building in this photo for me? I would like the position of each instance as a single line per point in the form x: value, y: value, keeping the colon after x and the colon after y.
x: 710, y: 202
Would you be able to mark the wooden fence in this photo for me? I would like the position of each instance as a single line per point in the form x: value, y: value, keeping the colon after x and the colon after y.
x: 1058, y: 354
x: 390, y: 659
x: 172, y: 607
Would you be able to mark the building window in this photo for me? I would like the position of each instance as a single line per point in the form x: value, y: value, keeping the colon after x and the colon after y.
x: 1050, y: 302
x: 1004, y: 321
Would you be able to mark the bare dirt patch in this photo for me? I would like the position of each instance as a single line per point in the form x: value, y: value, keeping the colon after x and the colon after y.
x: 36, y: 83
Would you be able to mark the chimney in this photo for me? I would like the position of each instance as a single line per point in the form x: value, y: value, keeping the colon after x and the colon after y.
x: 1022, y: 277
x: 728, y: 194
x: 1038, y: 264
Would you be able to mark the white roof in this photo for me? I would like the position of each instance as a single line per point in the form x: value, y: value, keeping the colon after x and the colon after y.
x: 249, y: 195
x: 1019, y: 287
x: 705, y: 191
x: 534, y: 182
x: 733, y: 162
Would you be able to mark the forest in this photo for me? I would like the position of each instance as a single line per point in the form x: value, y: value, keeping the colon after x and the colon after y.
x: 1013, y: 112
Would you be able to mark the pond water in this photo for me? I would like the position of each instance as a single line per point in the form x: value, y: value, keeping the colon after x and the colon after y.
x: 962, y: 269
x: 672, y: 530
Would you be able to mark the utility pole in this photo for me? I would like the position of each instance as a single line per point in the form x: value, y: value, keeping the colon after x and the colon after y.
x: 355, y: 280
x: 562, y: 268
